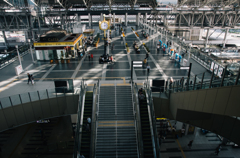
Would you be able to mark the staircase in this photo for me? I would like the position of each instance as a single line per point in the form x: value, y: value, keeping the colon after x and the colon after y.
x: 86, y: 135
x: 116, y: 135
x: 146, y: 133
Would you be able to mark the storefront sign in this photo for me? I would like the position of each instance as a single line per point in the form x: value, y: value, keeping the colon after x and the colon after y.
x: 18, y: 69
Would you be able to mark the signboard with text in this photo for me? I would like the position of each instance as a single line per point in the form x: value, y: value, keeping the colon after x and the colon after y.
x: 18, y: 69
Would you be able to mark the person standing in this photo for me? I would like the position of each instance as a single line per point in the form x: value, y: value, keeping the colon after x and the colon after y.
x: 148, y: 69
x: 89, y: 123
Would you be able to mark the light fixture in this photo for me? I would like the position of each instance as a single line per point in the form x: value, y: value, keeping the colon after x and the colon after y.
x: 8, y: 2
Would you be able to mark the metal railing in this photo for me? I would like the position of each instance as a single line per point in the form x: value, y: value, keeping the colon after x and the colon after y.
x: 39, y: 95
x: 152, y: 120
x: 203, y: 59
x: 12, y: 55
x: 79, y: 126
x: 137, y: 117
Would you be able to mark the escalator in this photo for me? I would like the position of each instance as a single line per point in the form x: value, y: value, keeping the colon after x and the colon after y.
x: 146, y: 132
x: 86, y: 135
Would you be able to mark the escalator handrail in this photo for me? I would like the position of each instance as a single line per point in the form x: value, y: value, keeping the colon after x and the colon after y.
x: 94, y: 109
x: 77, y: 135
x: 138, y: 118
x: 149, y: 91
x: 150, y: 121
x: 81, y: 116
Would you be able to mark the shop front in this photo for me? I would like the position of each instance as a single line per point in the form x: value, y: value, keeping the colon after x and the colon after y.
x: 64, y: 49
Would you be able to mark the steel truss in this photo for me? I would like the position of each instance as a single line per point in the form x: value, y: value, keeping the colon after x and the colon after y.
x: 198, y: 19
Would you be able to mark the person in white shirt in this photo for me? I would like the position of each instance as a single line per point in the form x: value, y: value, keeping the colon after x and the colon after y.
x: 148, y: 68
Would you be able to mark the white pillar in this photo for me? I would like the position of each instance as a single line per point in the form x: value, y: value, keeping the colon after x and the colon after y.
x: 114, y: 19
x: 225, y: 37
x: 137, y: 19
x: 89, y: 19
x: 206, y: 41
x: 126, y: 14
x: 145, y: 17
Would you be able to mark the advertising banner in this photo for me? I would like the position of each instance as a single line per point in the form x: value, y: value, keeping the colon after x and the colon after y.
x: 212, y: 66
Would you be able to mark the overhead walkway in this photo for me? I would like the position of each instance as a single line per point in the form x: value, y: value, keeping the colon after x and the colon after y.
x: 213, y: 106
x: 116, y: 131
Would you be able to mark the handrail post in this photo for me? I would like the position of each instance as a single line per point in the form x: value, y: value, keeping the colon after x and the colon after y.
x: 224, y: 72
x: 194, y: 81
x: 202, y: 80
x: 210, y: 85
x: 236, y: 82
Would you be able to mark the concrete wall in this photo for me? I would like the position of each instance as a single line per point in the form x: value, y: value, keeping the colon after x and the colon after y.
x: 30, y: 112
x: 161, y: 107
x: 222, y: 101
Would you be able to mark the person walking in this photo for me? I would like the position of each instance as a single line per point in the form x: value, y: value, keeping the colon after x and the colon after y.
x: 112, y: 46
x: 148, y: 68
x: 89, y: 56
x: 147, y: 55
x: 218, y: 149
x: 190, y: 144
x: 32, y: 79
x: 92, y: 56
x: 145, y: 62
x: 29, y: 78
x: 80, y: 155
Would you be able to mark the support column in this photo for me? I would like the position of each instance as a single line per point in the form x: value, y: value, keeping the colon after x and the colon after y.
x: 33, y: 36
x: 114, y: 20
x: 145, y: 18
x: 26, y: 36
x: 126, y: 14
x: 137, y: 19
x: 206, y: 41
x: 5, y: 39
x: 62, y: 22
x: 225, y: 37
x: 90, y: 19
x: 101, y: 17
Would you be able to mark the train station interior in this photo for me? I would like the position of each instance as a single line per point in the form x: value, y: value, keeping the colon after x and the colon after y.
x: 119, y: 79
